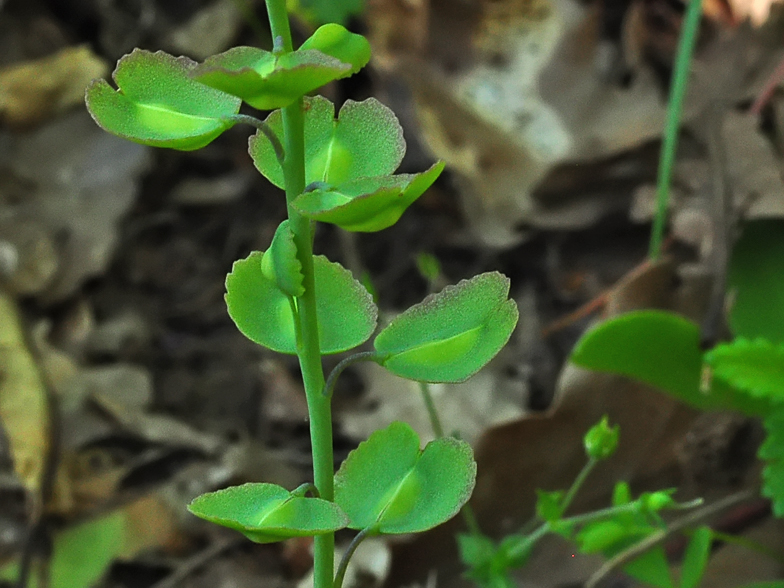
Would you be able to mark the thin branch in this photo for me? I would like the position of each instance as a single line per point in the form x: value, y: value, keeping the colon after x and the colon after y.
x: 329, y: 386
x: 624, y: 557
x: 352, y: 547
x: 265, y: 130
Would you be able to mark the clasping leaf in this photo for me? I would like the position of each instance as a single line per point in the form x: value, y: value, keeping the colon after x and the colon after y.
x: 280, y: 263
x: 451, y: 335
x: 367, y: 204
x: 263, y: 312
x: 389, y: 485
x: 267, y: 80
x: 158, y: 104
x: 266, y: 513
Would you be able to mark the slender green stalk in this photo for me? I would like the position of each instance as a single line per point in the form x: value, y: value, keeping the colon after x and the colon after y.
x: 468, y: 513
x: 578, y: 483
x: 319, y: 407
x: 680, y: 78
x: 343, y: 566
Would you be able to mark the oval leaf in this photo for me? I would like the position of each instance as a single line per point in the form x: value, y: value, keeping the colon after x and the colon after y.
x: 368, y: 204
x: 756, y: 367
x: 662, y: 350
x: 389, y: 485
x: 265, y: 80
x: 696, y: 557
x: 756, y: 282
x: 158, y: 104
x: 266, y: 513
x: 451, y: 335
x: 772, y: 452
x: 365, y: 141
x: 263, y: 312
x: 280, y: 263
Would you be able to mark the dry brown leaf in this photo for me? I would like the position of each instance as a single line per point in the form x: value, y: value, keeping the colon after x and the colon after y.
x: 23, y: 403
x: 32, y: 91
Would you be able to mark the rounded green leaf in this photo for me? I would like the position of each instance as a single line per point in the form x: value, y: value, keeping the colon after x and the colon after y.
x: 265, y: 80
x: 280, y: 263
x: 756, y: 282
x: 334, y: 40
x: 756, y: 367
x: 367, y: 204
x: 365, y: 141
x: 389, y: 485
x: 263, y: 312
x: 451, y: 335
x: 158, y: 104
x: 266, y: 513
x: 662, y: 350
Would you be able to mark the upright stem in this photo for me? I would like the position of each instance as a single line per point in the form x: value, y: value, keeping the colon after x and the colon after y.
x: 319, y: 408
x: 680, y: 77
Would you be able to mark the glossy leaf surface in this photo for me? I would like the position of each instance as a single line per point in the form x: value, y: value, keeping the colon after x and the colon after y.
x: 391, y: 486
x: 451, y: 335
x: 280, y: 263
x: 756, y: 282
x: 660, y: 349
x: 266, y: 513
x: 263, y: 312
x: 366, y: 140
x: 367, y: 204
x: 158, y: 104
x: 756, y: 367
x: 334, y: 40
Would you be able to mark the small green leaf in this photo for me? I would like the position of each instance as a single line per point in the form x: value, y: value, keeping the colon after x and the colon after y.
x: 266, y: 513
x: 651, y: 568
x: 756, y: 282
x: 428, y: 266
x: 451, y: 335
x: 158, y: 104
x: 368, y: 204
x: 263, y: 312
x: 80, y: 554
x: 280, y: 263
x: 660, y: 349
x: 266, y: 80
x: 601, y: 440
x: 757, y: 367
x: 772, y: 453
x: 390, y: 485
x: 549, y: 505
x: 321, y: 11
x: 696, y: 557
x: 334, y: 40
x: 365, y: 141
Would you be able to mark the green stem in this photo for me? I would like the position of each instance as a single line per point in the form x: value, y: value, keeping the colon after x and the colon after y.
x: 319, y: 407
x: 468, y: 513
x: 577, y: 484
x: 332, y: 379
x: 352, y: 547
x: 680, y: 78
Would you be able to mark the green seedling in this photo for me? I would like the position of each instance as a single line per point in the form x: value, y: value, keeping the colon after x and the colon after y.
x: 339, y: 170
x: 746, y: 375
x: 627, y: 532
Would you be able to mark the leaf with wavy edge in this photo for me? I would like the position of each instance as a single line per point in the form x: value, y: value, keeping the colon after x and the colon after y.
x: 366, y: 140
x: 756, y: 367
x: 368, y: 204
x: 263, y: 312
x: 266, y: 513
x: 267, y: 80
x: 451, y: 335
x: 158, y: 104
x: 389, y: 485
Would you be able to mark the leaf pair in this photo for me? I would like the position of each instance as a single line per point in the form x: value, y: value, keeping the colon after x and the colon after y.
x: 446, y: 338
x: 348, y: 165
x: 167, y: 101
x: 387, y: 485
